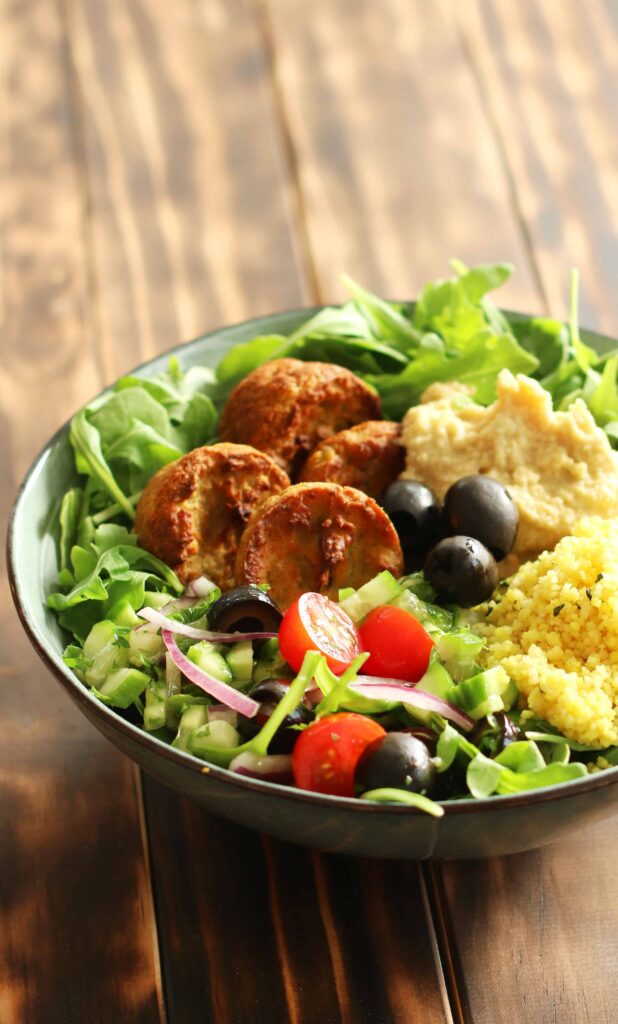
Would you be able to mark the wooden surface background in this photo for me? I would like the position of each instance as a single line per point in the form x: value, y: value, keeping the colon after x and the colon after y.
x: 169, y: 167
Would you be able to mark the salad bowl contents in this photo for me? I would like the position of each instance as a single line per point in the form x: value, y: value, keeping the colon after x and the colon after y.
x: 302, y: 625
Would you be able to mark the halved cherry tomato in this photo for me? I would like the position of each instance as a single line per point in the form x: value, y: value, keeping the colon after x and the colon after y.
x: 398, y: 646
x: 326, y: 753
x: 315, y: 623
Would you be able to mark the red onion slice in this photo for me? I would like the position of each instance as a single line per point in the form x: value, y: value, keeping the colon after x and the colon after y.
x: 221, y: 713
x: 271, y: 767
x: 160, y: 620
x: 214, y: 687
x: 200, y: 587
x: 394, y: 689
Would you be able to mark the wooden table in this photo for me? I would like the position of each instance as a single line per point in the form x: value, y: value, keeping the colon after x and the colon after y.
x: 169, y: 167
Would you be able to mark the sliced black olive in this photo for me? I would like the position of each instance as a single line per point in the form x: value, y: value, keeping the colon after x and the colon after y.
x: 462, y: 570
x: 268, y: 694
x: 415, y: 514
x: 244, y: 610
x: 396, y: 760
x: 481, y: 507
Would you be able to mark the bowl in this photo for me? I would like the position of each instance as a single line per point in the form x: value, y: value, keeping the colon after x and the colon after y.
x: 469, y: 828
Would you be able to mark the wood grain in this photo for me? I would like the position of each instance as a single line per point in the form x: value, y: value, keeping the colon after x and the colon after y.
x: 534, y: 937
x: 190, y: 213
x: 77, y: 934
x: 397, y: 167
x: 546, y: 74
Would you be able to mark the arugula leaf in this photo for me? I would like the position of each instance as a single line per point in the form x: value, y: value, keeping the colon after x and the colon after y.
x: 89, y: 457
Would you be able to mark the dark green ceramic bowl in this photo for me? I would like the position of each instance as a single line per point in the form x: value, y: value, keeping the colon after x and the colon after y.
x: 469, y: 828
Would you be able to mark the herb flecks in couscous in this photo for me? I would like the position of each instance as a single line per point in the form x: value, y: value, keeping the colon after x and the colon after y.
x: 555, y: 632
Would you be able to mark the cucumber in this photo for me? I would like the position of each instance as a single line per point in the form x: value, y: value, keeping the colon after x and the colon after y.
x: 155, y: 599
x: 215, y: 734
x: 437, y: 681
x: 208, y: 657
x: 124, y: 686
x: 344, y: 593
x: 190, y: 720
x: 382, y: 589
x: 240, y: 660
x: 123, y: 614
x: 459, y: 651
x: 102, y: 633
x: 485, y: 693
x: 155, y: 710
x: 106, y: 661
x: 144, y: 642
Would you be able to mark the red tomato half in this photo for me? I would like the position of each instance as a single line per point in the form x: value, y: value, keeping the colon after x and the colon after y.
x: 398, y: 646
x: 315, y: 623
x: 325, y: 756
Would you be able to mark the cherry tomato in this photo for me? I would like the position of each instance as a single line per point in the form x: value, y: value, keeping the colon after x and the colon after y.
x: 326, y: 753
x: 398, y: 646
x: 315, y: 623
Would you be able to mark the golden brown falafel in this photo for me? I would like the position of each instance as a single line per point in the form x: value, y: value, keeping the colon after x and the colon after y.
x: 369, y: 457
x: 285, y: 407
x: 193, y: 511
x: 316, y: 537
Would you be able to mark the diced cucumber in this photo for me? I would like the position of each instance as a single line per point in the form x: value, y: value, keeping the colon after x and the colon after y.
x: 123, y: 614
x: 155, y: 709
x: 173, y: 685
x: 208, y: 657
x: 344, y: 593
x: 155, y: 599
x: 124, y: 686
x: 144, y: 642
x: 108, y: 660
x: 484, y: 693
x: 436, y: 681
x: 215, y: 734
x: 382, y: 589
x: 434, y: 619
x: 459, y: 651
x: 240, y: 660
x: 191, y: 719
x: 270, y: 663
x: 102, y: 633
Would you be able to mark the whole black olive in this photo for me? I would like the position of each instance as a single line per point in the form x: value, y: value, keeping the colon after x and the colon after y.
x: 415, y: 514
x: 481, y: 507
x: 396, y: 760
x: 268, y: 694
x: 462, y: 570
x: 244, y: 610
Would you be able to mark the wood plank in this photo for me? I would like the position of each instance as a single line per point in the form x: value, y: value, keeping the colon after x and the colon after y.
x: 77, y: 935
x: 397, y: 168
x: 547, y: 74
x: 190, y: 214
x: 558, y: 906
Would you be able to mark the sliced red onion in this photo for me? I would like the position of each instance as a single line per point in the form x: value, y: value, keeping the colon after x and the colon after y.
x: 161, y: 621
x: 200, y: 587
x: 271, y: 767
x: 394, y: 689
x: 214, y: 687
x: 221, y: 713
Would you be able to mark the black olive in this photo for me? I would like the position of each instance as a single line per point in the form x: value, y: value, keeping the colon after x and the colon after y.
x: 268, y: 694
x: 244, y: 610
x: 462, y: 570
x: 396, y: 760
x: 415, y: 514
x: 481, y: 507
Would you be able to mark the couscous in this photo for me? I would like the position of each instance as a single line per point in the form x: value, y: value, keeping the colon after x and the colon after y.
x: 555, y: 631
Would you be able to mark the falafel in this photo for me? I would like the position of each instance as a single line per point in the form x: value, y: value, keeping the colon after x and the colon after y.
x: 316, y: 537
x: 193, y: 511
x: 285, y: 407
x: 369, y: 457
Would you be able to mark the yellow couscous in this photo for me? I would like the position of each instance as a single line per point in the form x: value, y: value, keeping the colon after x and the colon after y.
x: 555, y: 631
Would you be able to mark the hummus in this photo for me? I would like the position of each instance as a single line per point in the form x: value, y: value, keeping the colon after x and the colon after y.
x: 557, y: 466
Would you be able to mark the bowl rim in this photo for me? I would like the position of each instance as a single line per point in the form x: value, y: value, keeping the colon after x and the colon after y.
x: 81, y: 695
